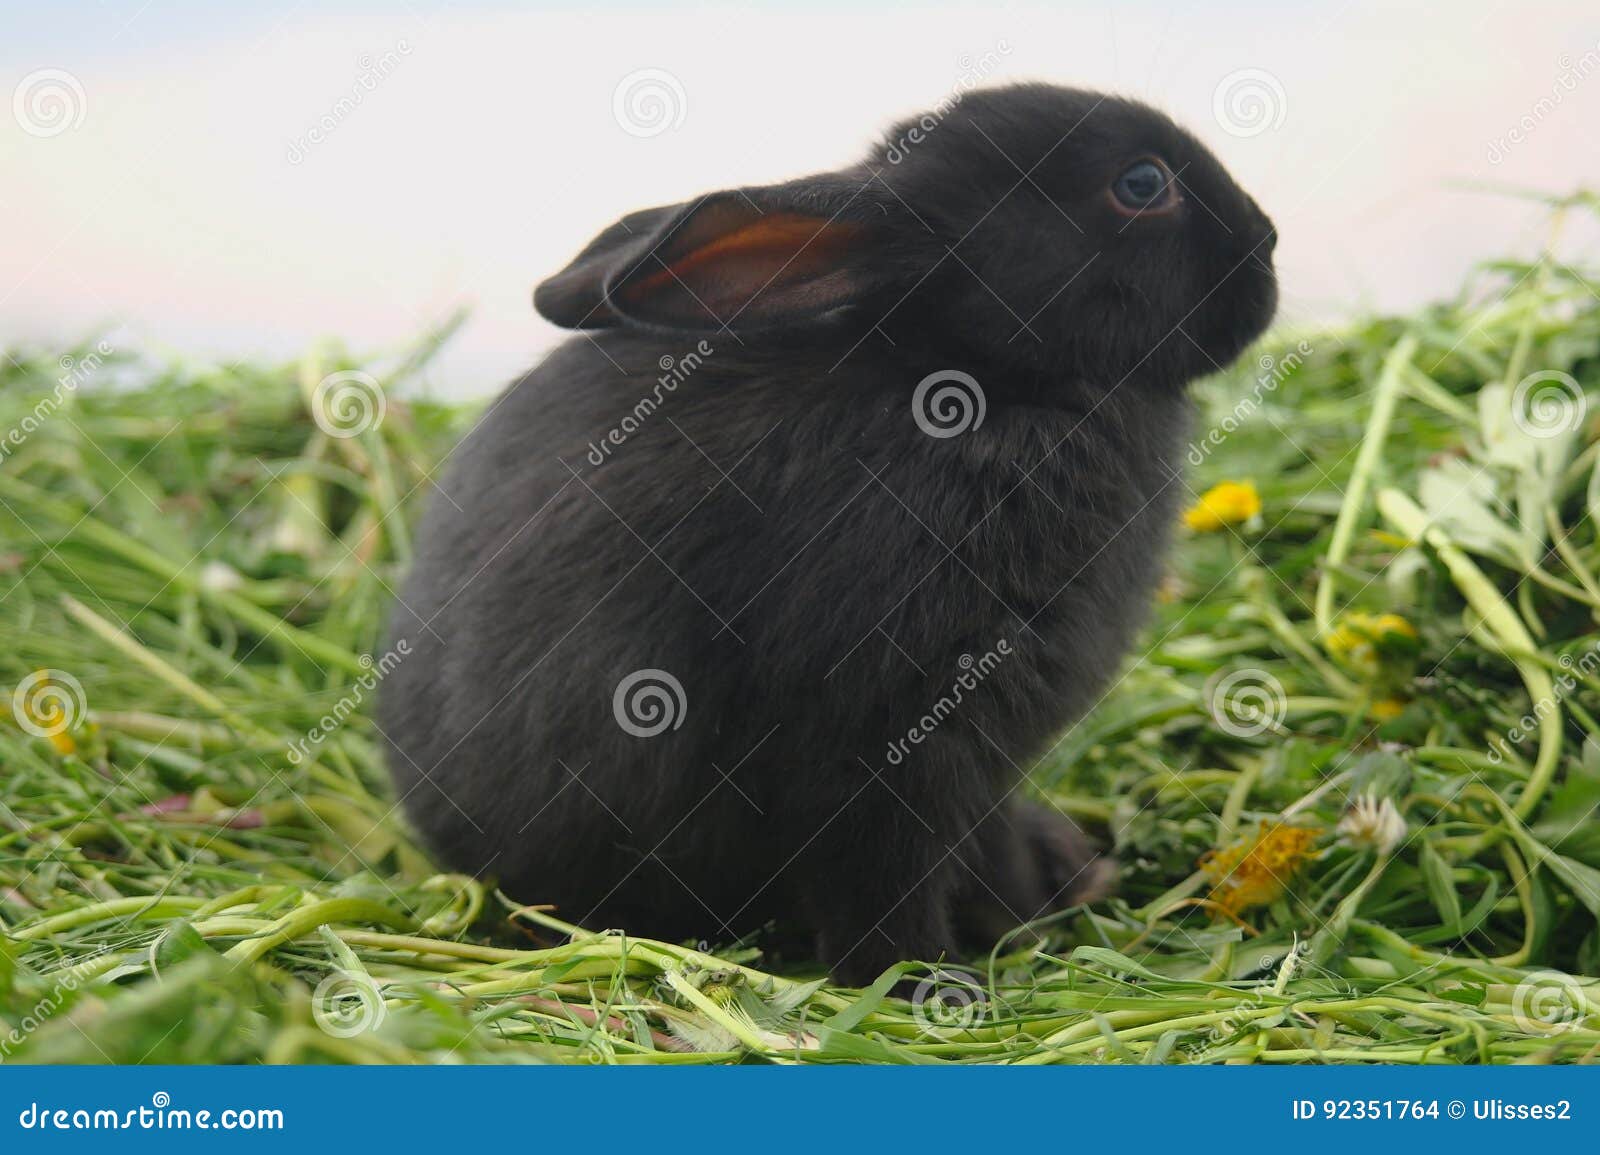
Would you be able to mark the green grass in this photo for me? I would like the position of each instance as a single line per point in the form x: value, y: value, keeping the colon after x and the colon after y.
x: 210, y: 568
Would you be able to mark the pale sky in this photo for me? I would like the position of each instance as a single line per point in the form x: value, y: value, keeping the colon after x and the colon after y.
x: 159, y: 174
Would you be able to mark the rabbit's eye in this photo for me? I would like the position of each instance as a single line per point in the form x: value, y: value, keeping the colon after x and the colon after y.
x: 1144, y: 187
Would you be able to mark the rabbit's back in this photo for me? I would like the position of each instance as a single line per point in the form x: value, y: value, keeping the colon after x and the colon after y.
x: 792, y: 550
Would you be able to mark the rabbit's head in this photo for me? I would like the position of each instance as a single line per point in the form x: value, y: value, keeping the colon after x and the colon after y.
x: 1051, y: 229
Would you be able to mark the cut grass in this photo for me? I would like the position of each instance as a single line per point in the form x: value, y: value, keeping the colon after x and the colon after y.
x: 204, y: 573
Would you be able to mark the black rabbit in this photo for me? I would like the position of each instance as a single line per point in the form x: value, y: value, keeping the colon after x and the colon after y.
x: 759, y: 600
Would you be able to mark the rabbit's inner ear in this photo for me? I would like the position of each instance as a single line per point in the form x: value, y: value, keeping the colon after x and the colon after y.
x: 727, y: 264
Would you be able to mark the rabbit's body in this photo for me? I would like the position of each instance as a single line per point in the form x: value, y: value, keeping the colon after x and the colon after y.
x: 876, y: 631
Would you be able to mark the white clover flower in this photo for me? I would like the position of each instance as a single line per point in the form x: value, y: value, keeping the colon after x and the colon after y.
x: 220, y: 577
x: 1373, y: 822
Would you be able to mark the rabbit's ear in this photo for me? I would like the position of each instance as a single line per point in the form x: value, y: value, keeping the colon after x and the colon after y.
x: 752, y: 258
x: 575, y: 297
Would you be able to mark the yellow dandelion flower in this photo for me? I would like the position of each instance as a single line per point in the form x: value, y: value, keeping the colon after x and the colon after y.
x: 1227, y: 503
x: 1255, y: 870
x: 1394, y: 624
x: 1387, y: 709
x: 1368, y: 643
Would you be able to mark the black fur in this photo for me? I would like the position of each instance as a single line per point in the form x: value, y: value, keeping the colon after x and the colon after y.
x: 816, y: 571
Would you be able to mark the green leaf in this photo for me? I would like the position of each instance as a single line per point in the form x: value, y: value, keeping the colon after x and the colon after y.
x: 1470, y: 921
x: 179, y: 943
x: 1441, y: 887
x: 1583, y: 880
x: 867, y: 1049
x: 849, y: 1017
x: 1381, y: 774
x: 1571, y: 807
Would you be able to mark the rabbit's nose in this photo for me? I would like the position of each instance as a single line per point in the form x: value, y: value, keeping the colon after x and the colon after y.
x: 1263, y: 236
